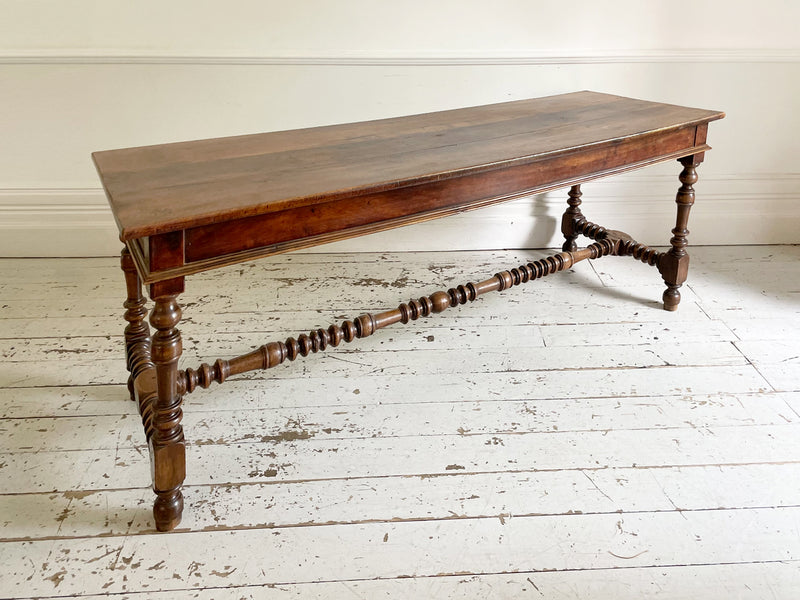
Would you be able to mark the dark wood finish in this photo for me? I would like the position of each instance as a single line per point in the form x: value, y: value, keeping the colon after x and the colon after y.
x: 568, y: 220
x: 626, y: 246
x: 167, y: 449
x: 157, y: 189
x: 405, y: 205
x: 674, y: 265
x: 137, y: 333
x: 188, y: 207
x: 249, y: 196
x: 142, y: 380
x: 164, y: 252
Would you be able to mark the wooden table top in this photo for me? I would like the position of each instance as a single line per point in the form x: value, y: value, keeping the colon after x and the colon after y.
x: 170, y: 187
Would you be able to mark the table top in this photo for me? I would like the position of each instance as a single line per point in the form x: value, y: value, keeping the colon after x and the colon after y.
x: 169, y: 187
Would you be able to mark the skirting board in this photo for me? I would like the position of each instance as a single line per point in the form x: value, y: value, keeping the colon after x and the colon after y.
x: 740, y: 209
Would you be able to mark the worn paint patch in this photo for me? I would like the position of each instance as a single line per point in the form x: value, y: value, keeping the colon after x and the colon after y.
x: 224, y: 573
x: 401, y: 282
x: 77, y: 494
x: 288, y: 436
x: 57, y: 578
x: 64, y: 514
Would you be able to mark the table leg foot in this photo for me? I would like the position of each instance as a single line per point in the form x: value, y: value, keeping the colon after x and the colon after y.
x: 671, y: 297
x: 168, y: 509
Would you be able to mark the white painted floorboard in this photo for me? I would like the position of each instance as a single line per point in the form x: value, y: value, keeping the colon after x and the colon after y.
x: 563, y: 439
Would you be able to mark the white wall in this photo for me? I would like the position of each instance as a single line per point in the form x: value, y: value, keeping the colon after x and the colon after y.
x: 81, y: 76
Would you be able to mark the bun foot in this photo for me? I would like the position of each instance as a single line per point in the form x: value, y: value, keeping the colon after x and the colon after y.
x: 167, y: 510
x: 672, y: 298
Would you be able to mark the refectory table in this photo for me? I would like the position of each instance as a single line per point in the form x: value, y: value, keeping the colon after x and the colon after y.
x: 187, y: 207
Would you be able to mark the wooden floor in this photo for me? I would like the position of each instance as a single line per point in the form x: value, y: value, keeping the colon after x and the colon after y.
x: 562, y: 439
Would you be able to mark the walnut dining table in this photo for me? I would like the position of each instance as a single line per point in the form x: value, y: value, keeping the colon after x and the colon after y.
x: 183, y: 208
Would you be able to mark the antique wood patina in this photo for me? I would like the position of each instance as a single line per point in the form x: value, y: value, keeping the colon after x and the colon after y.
x: 188, y: 207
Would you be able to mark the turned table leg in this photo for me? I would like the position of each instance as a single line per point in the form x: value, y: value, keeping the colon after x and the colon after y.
x: 674, y: 264
x: 167, y: 449
x: 568, y: 221
x: 137, y: 333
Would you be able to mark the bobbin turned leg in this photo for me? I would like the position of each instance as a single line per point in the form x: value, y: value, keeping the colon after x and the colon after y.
x: 569, y: 219
x: 167, y: 450
x: 137, y: 333
x: 674, y: 265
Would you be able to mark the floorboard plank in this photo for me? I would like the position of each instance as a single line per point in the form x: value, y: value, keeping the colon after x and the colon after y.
x: 381, y: 550
x: 308, y: 459
x: 743, y: 581
x: 503, y: 495
x: 496, y: 417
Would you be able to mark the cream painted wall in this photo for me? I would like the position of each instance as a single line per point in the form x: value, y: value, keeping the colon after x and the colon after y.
x: 82, y: 76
